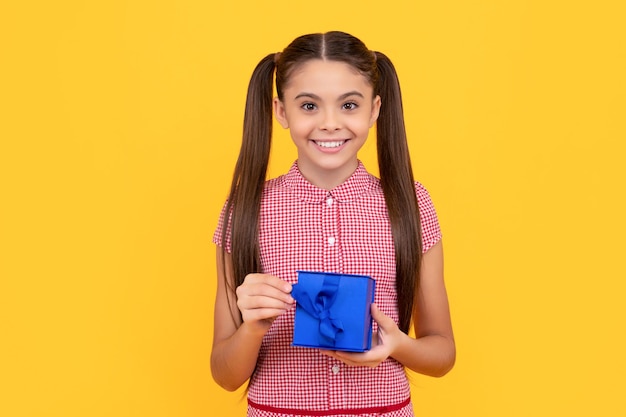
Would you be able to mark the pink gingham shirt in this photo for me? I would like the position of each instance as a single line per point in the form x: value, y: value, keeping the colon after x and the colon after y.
x: 346, y: 230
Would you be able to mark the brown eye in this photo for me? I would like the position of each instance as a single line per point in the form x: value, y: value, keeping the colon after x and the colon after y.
x: 309, y: 106
x: 350, y: 106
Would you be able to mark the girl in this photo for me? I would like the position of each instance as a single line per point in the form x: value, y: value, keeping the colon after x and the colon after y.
x: 327, y: 214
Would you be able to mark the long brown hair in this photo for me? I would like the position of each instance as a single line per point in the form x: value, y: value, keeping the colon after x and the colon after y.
x: 396, y: 175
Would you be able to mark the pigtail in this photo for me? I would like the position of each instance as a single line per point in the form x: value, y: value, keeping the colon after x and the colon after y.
x: 244, y: 201
x: 398, y: 185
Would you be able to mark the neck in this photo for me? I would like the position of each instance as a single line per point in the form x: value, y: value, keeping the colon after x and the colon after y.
x: 327, y: 179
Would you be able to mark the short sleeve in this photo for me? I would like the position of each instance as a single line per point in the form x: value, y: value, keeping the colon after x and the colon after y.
x: 217, y: 236
x: 431, y: 232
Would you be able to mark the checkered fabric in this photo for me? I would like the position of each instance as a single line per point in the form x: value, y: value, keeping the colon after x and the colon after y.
x: 345, y: 230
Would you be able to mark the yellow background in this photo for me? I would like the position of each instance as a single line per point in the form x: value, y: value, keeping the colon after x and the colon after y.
x: 120, y: 123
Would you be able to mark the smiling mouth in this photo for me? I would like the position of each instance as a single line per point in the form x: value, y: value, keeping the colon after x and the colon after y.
x: 329, y: 144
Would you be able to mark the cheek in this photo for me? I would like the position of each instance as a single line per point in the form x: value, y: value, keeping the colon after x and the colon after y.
x: 302, y: 126
x: 362, y: 128
x: 299, y: 131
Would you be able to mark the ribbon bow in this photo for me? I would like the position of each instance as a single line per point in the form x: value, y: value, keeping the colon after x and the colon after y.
x: 318, y: 306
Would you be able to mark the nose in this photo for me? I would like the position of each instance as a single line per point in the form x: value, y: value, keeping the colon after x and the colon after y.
x: 330, y: 121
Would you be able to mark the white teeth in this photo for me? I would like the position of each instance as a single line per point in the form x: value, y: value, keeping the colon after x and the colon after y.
x: 333, y: 144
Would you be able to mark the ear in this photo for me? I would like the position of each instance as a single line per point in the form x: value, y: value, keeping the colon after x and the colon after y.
x: 279, y: 112
x: 375, y: 110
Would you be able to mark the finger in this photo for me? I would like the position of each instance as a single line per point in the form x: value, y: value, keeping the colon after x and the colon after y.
x: 270, y: 280
x: 259, y: 314
x: 358, y: 359
x: 263, y: 289
x: 385, y: 323
x: 344, y: 357
x: 246, y: 301
x: 330, y: 353
x: 340, y: 356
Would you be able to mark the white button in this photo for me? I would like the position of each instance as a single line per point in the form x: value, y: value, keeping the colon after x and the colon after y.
x: 335, y: 369
x: 331, y: 241
x: 329, y: 201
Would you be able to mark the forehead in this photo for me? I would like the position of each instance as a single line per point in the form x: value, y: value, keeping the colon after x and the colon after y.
x: 327, y: 76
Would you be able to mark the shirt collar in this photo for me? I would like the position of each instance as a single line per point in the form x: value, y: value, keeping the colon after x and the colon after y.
x: 356, y: 185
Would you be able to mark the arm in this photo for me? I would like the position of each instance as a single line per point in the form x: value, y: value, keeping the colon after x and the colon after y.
x: 433, y: 351
x: 236, y: 342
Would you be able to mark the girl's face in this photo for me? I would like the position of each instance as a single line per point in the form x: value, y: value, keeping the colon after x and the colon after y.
x: 328, y: 108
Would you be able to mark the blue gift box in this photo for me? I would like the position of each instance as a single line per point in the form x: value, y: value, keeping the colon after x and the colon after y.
x: 333, y: 311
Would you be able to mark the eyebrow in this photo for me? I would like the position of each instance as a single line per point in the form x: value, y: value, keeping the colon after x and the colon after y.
x: 341, y: 97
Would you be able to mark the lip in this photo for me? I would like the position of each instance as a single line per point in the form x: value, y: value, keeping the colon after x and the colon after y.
x: 329, y: 150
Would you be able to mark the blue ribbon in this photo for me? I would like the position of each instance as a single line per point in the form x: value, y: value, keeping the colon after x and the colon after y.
x: 318, y: 306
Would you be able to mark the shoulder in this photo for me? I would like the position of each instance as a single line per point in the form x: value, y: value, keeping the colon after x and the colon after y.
x: 423, y: 196
x: 275, y: 186
x: 431, y: 231
x: 274, y: 183
x: 424, y: 201
x: 370, y: 183
x: 278, y: 194
x: 283, y: 182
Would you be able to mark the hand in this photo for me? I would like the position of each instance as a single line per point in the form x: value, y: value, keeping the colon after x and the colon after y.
x: 261, y: 298
x: 383, y: 344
